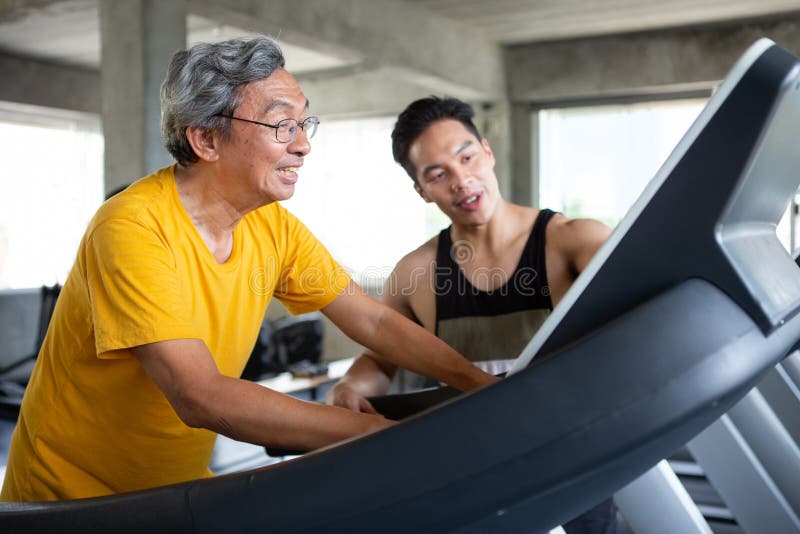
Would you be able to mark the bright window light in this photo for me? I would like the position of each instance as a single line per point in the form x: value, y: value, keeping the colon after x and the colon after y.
x: 50, y: 186
x: 595, y: 161
x: 358, y: 201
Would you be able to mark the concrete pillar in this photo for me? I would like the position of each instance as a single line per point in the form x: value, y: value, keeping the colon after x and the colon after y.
x: 524, y: 155
x: 138, y: 38
x: 492, y: 120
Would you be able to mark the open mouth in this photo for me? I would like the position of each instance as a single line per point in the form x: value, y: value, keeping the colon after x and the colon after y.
x: 471, y: 202
x: 289, y: 174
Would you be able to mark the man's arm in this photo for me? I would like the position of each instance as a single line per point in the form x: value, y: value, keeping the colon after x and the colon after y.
x: 400, y: 341
x: 367, y: 377
x: 370, y: 375
x: 204, y: 398
x: 581, y: 239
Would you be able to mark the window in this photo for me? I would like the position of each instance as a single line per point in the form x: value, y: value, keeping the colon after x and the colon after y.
x: 359, y: 202
x: 50, y: 186
x: 595, y: 161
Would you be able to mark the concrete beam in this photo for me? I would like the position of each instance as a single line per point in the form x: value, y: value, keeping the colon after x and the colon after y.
x: 16, y: 9
x: 40, y: 83
x: 411, y: 43
x: 638, y: 64
x: 361, y: 92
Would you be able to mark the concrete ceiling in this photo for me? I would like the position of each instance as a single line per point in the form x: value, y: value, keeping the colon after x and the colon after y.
x: 68, y: 31
x: 524, y: 21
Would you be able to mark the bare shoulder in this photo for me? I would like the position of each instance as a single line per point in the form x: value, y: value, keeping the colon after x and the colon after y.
x: 421, y: 259
x: 407, y: 288
x: 569, y: 233
x: 576, y: 240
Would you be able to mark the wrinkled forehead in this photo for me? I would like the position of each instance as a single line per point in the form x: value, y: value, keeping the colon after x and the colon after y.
x: 278, y: 92
x: 281, y: 103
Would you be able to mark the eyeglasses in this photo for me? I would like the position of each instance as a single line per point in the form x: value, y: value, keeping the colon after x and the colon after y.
x: 285, y: 130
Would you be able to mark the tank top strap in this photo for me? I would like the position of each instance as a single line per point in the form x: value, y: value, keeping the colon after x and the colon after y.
x: 446, y: 277
x: 444, y: 257
x: 533, y: 256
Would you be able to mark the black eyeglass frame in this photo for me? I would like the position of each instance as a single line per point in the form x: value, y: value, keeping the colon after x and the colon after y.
x: 314, y: 122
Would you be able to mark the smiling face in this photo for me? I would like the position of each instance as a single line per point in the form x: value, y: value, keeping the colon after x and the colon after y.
x: 456, y: 171
x: 257, y: 168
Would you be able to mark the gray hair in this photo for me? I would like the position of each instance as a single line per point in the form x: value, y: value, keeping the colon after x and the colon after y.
x: 204, y: 82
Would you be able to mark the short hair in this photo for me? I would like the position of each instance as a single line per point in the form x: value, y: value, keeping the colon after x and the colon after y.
x: 418, y: 117
x: 205, y: 82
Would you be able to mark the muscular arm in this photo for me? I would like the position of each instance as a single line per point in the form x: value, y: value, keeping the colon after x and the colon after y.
x: 581, y: 239
x: 370, y: 375
x: 204, y: 398
x: 402, y: 342
x: 571, y: 244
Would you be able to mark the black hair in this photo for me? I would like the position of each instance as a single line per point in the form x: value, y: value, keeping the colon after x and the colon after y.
x: 418, y: 117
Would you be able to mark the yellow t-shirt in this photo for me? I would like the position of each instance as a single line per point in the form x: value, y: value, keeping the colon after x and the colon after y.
x: 92, y: 421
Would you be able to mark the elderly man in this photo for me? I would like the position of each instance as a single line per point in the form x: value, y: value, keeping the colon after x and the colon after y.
x: 139, y: 370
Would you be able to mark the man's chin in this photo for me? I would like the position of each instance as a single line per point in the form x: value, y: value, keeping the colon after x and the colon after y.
x: 471, y: 218
x: 470, y: 222
x: 284, y: 193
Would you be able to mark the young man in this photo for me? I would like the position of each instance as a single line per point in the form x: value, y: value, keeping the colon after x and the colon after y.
x: 139, y: 369
x: 485, y: 284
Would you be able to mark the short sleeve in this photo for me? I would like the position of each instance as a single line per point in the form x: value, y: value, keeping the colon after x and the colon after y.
x: 134, y: 288
x: 310, y: 278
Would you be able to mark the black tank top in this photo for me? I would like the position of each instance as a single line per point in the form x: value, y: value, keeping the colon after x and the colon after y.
x: 492, y: 326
